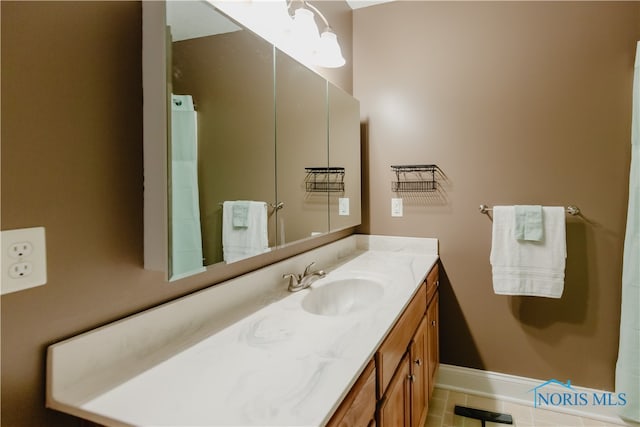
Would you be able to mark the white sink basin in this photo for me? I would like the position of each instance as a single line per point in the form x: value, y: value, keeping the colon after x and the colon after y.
x: 342, y: 296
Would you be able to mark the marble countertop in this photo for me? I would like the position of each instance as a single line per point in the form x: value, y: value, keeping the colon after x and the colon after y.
x: 278, y: 365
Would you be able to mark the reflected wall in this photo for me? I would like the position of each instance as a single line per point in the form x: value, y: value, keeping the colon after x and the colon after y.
x: 230, y: 77
x: 301, y: 142
x: 262, y: 120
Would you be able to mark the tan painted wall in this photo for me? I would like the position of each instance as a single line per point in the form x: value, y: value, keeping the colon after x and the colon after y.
x: 72, y: 161
x: 518, y: 103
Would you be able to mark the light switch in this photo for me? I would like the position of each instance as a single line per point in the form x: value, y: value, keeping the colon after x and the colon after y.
x: 343, y: 206
x: 396, y: 207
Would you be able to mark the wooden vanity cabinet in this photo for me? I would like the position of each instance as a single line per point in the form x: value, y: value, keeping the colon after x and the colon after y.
x: 407, y: 360
x: 395, y: 345
x: 359, y: 407
x: 395, y: 388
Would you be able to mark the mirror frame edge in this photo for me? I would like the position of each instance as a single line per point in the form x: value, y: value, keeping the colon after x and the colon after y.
x: 154, y: 90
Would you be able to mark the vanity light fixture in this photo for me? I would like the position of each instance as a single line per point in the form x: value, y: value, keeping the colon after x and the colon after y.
x: 323, y: 49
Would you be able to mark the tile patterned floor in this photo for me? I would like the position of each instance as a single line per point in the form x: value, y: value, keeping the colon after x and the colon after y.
x: 443, y: 401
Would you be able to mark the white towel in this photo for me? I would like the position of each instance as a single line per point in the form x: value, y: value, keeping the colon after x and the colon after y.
x: 534, y: 268
x: 243, y: 242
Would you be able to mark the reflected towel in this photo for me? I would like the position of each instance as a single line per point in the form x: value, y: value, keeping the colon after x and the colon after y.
x: 240, y: 214
x: 523, y: 267
x: 242, y: 242
x: 528, y: 225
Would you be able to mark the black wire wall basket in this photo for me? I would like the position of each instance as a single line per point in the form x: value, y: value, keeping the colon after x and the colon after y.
x: 414, y: 178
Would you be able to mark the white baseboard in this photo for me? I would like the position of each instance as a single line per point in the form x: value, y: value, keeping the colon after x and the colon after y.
x: 518, y: 390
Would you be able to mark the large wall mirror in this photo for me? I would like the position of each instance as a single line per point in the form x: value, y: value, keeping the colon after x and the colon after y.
x: 261, y: 151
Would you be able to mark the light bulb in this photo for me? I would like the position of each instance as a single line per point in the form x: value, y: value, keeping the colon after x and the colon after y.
x: 329, y: 54
x: 305, y: 28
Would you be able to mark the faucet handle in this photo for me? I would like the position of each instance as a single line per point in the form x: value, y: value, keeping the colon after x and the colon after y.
x: 294, y: 279
x: 308, y: 268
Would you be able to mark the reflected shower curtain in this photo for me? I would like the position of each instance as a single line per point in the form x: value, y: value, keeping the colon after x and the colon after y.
x: 628, y: 365
x: 186, y: 235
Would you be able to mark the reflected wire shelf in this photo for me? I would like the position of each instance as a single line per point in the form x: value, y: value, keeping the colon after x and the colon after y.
x: 324, y: 180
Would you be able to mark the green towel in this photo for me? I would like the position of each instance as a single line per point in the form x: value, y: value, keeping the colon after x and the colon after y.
x: 240, y: 215
x: 528, y: 224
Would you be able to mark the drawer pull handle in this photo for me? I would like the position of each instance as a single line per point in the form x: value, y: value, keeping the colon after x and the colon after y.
x: 418, y: 362
x: 411, y: 377
x: 433, y: 323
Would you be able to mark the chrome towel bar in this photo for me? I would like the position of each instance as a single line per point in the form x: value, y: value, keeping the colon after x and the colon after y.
x: 571, y: 210
x: 275, y: 206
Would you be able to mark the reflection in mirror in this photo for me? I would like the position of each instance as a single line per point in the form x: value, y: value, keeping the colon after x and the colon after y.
x: 344, y: 151
x: 226, y: 72
x: 301, y: 143
x: 239, y: 107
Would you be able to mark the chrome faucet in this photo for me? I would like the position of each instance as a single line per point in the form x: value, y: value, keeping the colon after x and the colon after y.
x: 298, y: 282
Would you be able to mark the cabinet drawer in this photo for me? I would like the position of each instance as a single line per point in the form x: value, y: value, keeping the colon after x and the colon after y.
x: 358, y: 408
x: 395, y: 345
x: 432, y: 282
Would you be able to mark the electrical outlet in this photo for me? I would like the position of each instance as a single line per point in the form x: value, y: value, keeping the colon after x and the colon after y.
x: 24, y: 261
x: 396, y: 207
x: 20, y: 249
x: 20, y: 270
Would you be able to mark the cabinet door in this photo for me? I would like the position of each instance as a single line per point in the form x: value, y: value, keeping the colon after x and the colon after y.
x: 433, y: 350
x: 419, y: 375
x: 395, y: 410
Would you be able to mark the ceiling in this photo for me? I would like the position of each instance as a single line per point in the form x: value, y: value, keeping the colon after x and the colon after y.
x: 195, y: 19
x: 188, y: 20
x: 357, y: 4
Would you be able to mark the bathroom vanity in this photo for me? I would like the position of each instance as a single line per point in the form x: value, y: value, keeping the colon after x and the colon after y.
x: 358, y: 347
x: 399, y: 380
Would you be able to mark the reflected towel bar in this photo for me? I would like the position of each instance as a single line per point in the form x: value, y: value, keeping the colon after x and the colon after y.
x: 571, y: 210
x: 275, y: 206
